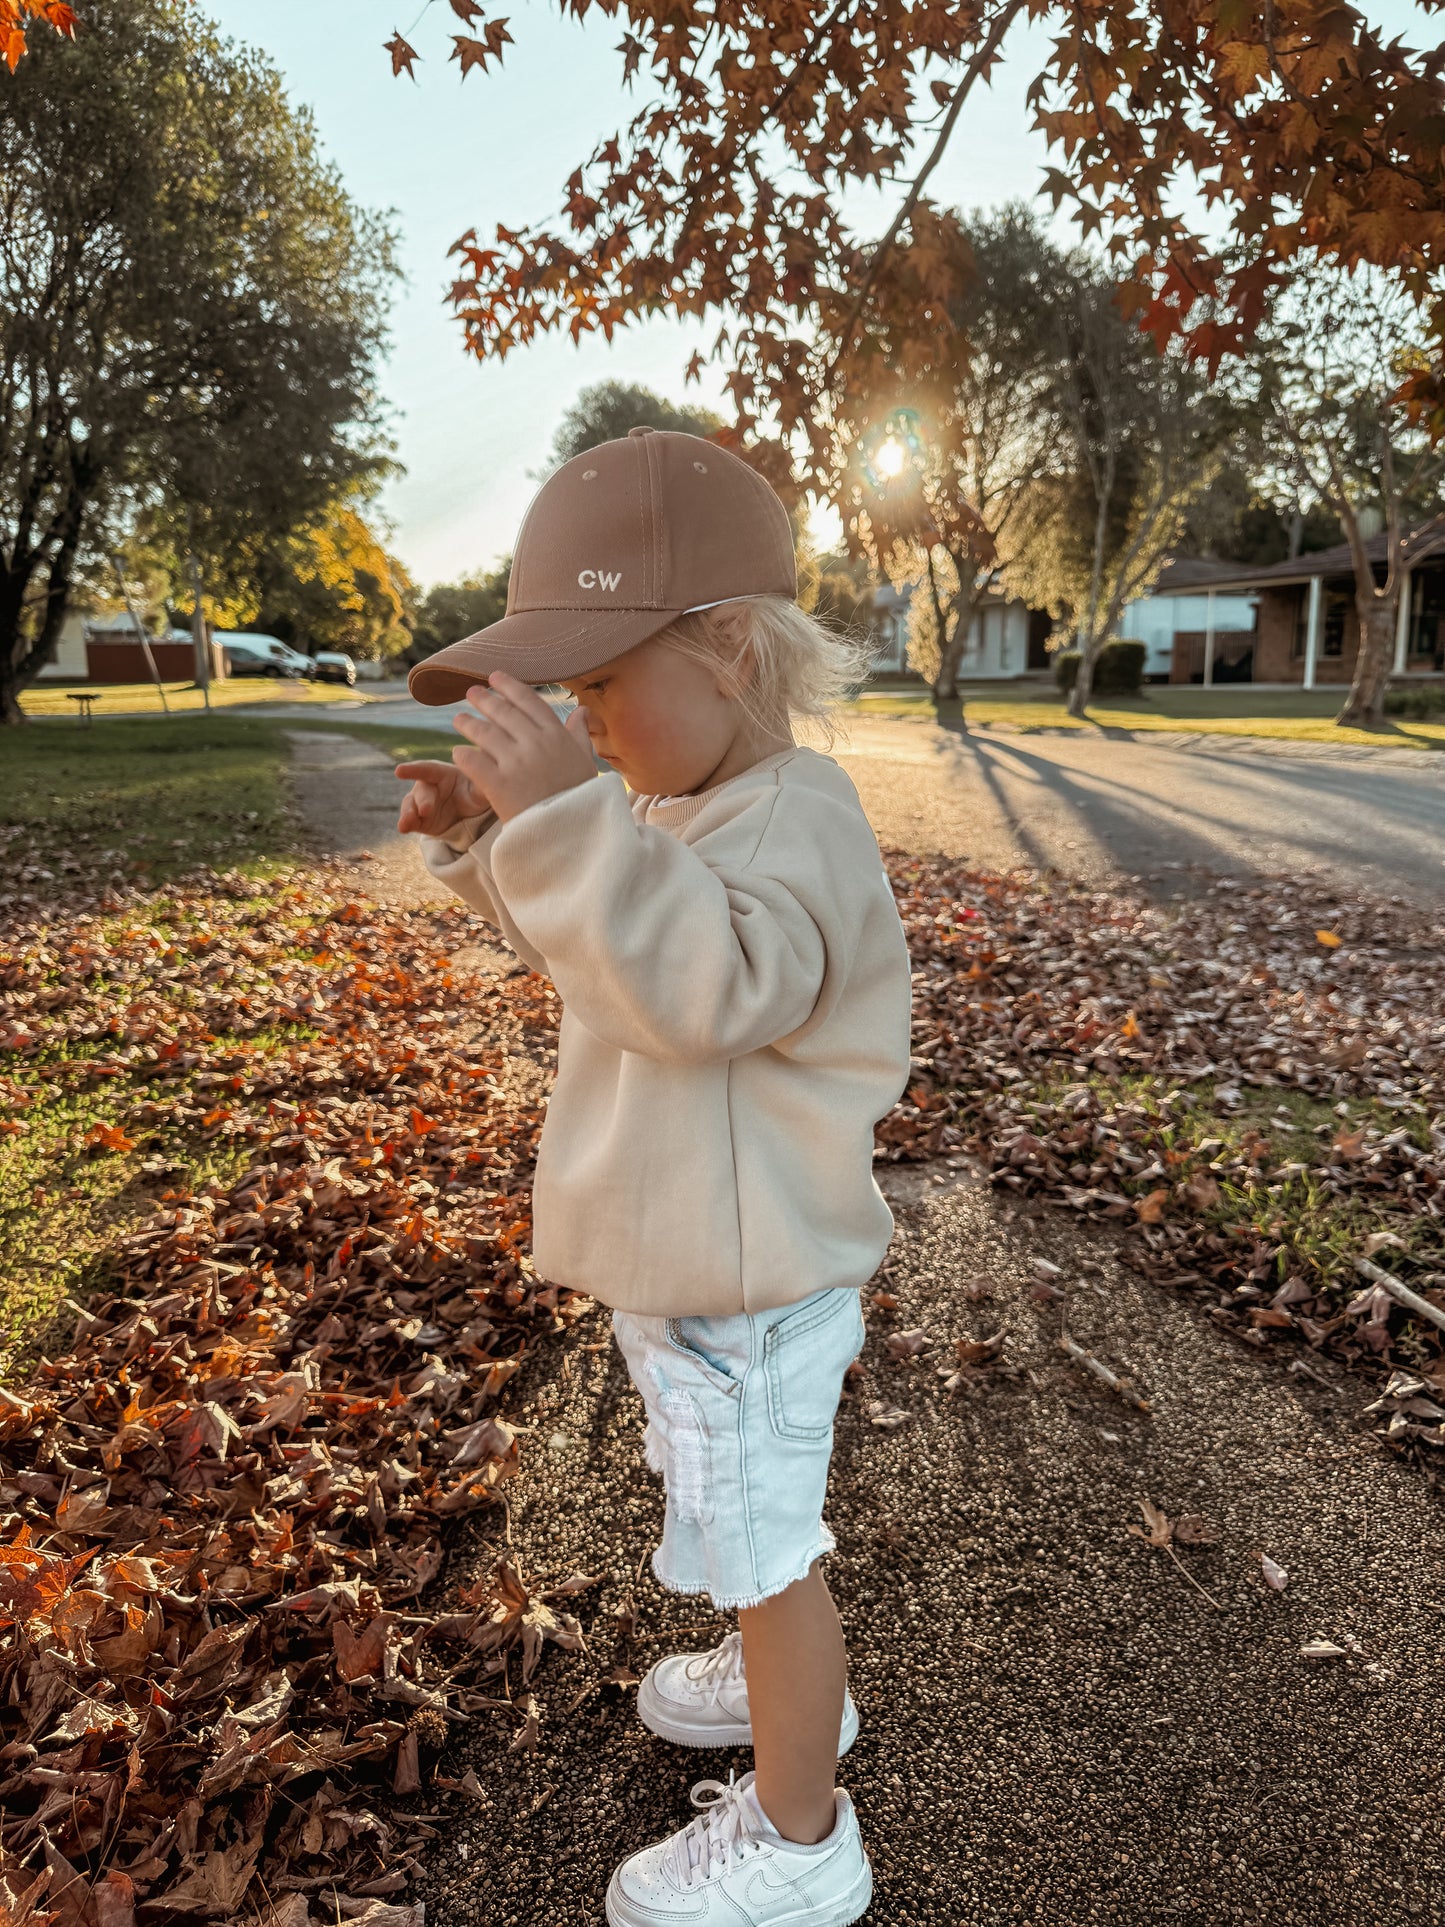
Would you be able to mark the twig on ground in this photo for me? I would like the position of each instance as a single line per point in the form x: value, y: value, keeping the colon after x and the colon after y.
x: 1192, y: 1580
x: 1401, y: 1293
x: 1120, y: 1386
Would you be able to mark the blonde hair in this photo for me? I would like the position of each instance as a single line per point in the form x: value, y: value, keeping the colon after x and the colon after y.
x: 801, y: 669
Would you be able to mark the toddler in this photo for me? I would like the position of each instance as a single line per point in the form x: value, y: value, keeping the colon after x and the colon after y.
x: 735, y: 992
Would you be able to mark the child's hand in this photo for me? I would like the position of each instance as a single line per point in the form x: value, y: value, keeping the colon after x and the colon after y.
x: 440, y: 797
x: 521, y: 753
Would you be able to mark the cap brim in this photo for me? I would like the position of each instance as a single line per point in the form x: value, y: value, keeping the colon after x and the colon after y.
x: 536, y: 646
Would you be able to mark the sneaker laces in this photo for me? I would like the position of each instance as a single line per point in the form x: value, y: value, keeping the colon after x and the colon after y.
x: 721, y: 1666
x: 721, y: 1832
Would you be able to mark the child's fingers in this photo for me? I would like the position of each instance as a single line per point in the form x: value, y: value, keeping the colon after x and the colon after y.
x: 578, y: 726
x: 525, y: 705
x: 418, y: 807
x: 428, y: 772
x: 491, y: 712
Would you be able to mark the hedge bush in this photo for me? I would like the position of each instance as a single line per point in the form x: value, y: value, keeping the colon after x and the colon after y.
x: 1421, y: 705
x: 1119, y: 670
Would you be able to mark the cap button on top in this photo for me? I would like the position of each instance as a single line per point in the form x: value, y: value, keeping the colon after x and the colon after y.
x: 640, y: 431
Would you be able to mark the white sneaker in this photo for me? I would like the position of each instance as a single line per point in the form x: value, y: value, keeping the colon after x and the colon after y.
x: 728, y: 1868
x: 701, y: 1699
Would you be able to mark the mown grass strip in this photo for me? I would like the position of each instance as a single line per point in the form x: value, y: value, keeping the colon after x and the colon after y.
x: 119, y: 700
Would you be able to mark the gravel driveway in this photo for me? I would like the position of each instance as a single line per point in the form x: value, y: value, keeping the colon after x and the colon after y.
x: 1057, y: 1727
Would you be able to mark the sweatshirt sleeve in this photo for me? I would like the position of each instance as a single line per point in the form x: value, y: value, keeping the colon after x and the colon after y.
x: 656, y: 950
x: 463, y: 864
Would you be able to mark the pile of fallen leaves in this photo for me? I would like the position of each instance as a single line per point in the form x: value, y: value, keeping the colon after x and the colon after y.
x: 219, y: 1507
x: 1093, y: 1049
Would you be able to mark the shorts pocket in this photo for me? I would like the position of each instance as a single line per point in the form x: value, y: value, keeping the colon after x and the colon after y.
x: 805, y: 1356
x: 717, y: 1374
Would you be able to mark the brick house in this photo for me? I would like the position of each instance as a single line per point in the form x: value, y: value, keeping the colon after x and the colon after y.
x: 1302, y: 626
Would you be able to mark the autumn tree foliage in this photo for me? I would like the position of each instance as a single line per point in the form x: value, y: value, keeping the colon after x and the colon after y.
x: 1307, y: 132
x: 1209, y: 146
x: 1309, y: 128
x: 190, y: 307
x: 16, y: 16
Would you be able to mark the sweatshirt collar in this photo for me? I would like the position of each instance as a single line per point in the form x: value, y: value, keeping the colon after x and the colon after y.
x: 677, y: 810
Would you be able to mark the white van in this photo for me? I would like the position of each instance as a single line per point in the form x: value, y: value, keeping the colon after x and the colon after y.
x: 251, y: 654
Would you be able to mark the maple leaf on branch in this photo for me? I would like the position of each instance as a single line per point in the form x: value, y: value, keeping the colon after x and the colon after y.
x: 402, y: 55
x: 1310, y: 130
x: 14, y: 15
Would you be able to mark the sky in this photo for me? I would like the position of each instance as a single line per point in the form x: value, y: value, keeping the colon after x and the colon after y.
x: 445, y: 156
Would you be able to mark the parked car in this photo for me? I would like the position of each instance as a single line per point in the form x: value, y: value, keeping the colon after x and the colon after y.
x: 332, y: 665
x: 257, y: 655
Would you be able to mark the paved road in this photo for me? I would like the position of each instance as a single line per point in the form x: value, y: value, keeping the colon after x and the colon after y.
x: 1095, y: 805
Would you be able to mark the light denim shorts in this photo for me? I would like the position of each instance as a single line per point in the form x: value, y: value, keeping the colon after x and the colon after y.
x: 740, y: 1425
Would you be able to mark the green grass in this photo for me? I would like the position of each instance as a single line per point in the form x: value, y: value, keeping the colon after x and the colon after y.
x: 1314, y: 1230
x: 1303, y: 715
x: 52, y: 699
x: 64, y: 1201
x: 149, y: 799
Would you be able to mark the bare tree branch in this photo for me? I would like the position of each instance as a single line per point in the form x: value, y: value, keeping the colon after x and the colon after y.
x: 982, y: 60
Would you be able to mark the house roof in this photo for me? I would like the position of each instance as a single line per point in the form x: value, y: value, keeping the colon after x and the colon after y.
x: 1337, y: 560
x: 1191, y: 572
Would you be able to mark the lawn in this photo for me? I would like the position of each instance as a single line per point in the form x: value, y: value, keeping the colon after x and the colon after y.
x: 1295, y: 715
x: 135, y: 805
x: 47, y: 699
x: 144, y: 800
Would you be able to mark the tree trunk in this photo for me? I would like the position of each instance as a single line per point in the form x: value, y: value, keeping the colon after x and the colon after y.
x: 1365, y: 706
x: 21, y: 662
x: 1083, y: 689
x: 951, y: 652
x: 12, y: 650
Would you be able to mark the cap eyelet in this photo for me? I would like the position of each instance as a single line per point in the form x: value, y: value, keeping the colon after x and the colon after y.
x: 589, y: 474
x: 701, y: 467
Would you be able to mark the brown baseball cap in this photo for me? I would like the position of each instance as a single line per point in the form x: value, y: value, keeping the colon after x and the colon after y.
x: 616, y: 545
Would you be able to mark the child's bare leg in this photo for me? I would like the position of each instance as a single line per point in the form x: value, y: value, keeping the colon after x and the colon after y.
x: 797, y: 1672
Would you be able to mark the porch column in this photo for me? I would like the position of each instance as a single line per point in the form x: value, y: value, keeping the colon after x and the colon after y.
x: 1313, y: 624
x: 1209, y: 640
x: 1402, y: 622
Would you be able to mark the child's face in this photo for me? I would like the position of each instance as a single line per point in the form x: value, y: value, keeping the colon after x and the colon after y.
x: 662, y: 720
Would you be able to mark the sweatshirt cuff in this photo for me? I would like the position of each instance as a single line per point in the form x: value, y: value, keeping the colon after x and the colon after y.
x: 461, y: 836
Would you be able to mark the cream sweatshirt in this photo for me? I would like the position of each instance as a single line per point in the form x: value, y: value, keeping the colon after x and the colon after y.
x: 735, y: 992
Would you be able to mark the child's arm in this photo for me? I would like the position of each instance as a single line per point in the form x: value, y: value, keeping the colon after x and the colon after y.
x: 661, y: 952
x: 456, y: 847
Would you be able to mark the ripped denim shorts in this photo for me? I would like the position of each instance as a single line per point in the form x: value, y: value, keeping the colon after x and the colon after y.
x: 740, y: 1425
